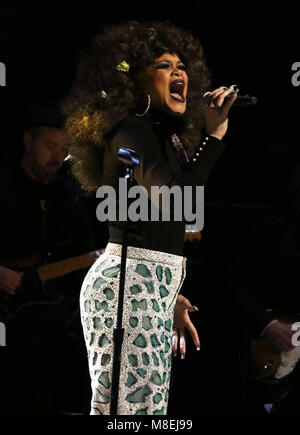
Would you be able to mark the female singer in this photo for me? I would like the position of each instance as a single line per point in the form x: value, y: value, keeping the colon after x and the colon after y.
x: 140, y: 86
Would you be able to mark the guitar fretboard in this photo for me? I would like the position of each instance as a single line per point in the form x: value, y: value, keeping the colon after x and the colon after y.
x: 63, y: 267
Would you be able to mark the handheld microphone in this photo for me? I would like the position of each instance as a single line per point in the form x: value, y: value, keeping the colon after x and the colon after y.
x: 243, y: 100
x: 240, y: 101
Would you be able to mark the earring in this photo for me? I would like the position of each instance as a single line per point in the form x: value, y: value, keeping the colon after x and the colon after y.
x: 147, y: 108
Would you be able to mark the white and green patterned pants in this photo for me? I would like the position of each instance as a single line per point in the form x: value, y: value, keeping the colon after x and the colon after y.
x: 153, y: 281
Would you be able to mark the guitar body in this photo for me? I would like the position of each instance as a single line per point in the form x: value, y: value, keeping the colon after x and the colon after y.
x: 262, y: 357
x: 30, y: 288
x: 268, y: 365
x: 35, y: 275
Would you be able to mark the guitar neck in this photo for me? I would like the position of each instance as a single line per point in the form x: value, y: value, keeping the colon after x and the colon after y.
x: 63, y: 267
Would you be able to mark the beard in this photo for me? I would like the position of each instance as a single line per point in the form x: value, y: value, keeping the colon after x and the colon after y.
x: 47, y: 173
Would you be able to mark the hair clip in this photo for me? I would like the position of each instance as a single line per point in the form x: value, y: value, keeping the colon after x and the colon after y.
x: 123, y: 66
x: 103, y: 94
x: 85, y: 121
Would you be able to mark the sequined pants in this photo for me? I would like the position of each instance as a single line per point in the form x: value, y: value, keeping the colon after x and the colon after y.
x: 153, y: 281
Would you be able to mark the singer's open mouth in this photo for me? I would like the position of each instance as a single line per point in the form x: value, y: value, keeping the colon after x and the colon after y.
x: 177, y: 90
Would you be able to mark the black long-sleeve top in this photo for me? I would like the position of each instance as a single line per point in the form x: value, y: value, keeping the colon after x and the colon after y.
x: 150, y: 138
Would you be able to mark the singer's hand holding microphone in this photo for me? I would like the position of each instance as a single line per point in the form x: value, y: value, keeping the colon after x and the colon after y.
x: 216, y: 106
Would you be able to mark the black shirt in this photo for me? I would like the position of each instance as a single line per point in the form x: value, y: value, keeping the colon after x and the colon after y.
x: 150, y: 138
x: 36, y: 216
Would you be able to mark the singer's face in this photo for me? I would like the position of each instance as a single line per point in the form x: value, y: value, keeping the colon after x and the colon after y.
x: 166, y: 81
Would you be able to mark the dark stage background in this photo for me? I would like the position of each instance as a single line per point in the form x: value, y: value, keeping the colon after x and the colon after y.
x: 254, y: 49
x: 244, y: 45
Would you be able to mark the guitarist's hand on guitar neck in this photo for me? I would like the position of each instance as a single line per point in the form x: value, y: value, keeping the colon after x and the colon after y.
x: 280, y: 335
x: 10, y: 280
x: 273, y: 356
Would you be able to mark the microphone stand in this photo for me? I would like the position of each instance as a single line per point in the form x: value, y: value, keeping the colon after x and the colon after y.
x: 128, y: 157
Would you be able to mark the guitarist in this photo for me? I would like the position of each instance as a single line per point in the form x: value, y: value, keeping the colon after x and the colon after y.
x: 42, y: 218
x: 266, y: 275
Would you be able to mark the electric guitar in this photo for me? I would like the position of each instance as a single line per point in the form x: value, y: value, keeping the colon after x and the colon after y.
x: 270, y: 366
x: 32, y: 289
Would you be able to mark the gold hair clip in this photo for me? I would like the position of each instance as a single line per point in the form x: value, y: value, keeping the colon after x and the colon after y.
x: 85, y: 121
x: 123, y: 66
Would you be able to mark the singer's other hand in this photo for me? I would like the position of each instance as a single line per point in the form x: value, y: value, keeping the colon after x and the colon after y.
x: 216, y: 113
x: 182, y: 322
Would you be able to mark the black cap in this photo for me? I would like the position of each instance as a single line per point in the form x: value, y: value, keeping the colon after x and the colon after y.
x: 43, y: 113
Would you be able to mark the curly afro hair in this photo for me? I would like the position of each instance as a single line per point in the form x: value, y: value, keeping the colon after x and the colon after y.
x: 101, y: 96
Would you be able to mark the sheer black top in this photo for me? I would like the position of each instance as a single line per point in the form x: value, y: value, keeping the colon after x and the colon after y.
x: 150, y: 138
